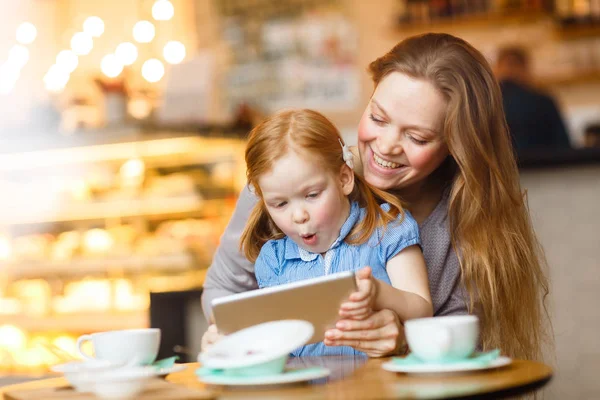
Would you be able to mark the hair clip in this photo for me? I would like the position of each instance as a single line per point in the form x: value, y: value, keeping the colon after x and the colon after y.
x: 347, y: 155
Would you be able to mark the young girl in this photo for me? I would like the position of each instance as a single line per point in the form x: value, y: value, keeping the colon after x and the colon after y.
x: 314, y: 217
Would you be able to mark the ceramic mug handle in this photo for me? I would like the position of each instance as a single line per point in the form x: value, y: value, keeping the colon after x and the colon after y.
x: 80, y: 341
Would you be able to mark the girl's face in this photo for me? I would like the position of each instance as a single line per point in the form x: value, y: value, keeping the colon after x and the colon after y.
x: 400, y: 135
x: 308, y: 203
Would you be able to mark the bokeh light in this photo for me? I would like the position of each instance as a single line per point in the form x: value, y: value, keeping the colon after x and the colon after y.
x: 174, y: 52
x: 18, y: 55
x: 143, y: 31
x: 93, y: 26
x: 111, y: 66
x: 153, y: 70
x: 126, y: 53
x: 26, y: 33
x: 82, y: 43
x: 163, y: 10
x: 67, y: 60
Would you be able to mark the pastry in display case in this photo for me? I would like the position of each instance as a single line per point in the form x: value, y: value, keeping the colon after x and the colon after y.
x: 90, y: 231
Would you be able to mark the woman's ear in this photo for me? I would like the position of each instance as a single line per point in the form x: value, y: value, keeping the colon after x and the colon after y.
x: 347, y: 179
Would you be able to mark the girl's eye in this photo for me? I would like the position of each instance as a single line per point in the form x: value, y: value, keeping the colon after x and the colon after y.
x: 415, y: 140
x: 280, y: 204
x: 376, y: 120
x: 313, y: 195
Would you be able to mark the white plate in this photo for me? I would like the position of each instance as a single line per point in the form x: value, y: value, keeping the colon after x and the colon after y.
x: 287, y: 377
x: 431, y: 368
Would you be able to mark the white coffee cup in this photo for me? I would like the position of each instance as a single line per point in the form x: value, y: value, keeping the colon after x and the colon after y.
x: 124, y: 347
x: 441, y: 339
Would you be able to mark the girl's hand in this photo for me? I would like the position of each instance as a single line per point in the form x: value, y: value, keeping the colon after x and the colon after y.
x: 380, y: 335
x: 360, y: 303
x: 210, y: 337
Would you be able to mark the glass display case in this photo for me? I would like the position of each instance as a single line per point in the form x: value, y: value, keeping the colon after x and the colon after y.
x: 87, y: 232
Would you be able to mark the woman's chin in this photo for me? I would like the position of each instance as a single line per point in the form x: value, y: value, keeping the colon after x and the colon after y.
x: 381, y: 182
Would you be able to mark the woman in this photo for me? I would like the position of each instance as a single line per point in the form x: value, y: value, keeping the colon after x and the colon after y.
x: 434, y: 134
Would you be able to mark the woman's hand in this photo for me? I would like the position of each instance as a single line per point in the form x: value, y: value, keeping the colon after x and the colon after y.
x: 360, y: 303
x: 210, y: 337
x: 379, y: 335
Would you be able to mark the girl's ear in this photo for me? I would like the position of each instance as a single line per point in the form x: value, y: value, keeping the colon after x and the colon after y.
x: 347, y: 179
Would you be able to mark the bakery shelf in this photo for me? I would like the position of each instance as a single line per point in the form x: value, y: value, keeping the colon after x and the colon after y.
x: 81, y: 322
x: 111, y: 209
x: 33, y: 269
x: 172, y: 151
x: 473, y: 21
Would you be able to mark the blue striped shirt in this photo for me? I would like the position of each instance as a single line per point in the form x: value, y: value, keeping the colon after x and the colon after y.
x: 283, y: 261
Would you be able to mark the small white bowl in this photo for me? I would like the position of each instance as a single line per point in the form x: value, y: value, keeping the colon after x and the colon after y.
x: 258, y: 350
x: 74, y: 371
x: 119, y: 383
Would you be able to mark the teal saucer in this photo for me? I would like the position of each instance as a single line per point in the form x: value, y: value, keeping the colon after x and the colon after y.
x: 476, y: 359
x: 220, y: 377
x: 477, y: 362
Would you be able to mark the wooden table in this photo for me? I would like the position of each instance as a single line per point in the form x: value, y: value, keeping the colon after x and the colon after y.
x: 361, y: 378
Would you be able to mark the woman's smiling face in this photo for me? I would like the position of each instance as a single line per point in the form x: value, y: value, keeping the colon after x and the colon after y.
x: 400, y: 135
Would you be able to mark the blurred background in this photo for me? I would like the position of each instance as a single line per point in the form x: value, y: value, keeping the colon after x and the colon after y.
x: 122, y: 133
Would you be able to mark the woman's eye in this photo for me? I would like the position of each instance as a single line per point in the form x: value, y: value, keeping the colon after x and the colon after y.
x: 415, y: 140
x: 376, y: 120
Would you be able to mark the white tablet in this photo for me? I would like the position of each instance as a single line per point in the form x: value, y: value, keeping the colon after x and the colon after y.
x: 316, y: 300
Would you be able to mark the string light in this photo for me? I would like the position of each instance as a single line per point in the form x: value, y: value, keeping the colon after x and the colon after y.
x: 126, y: 53
x: 9, y: 74
x: 163, y: 10
x: 56, y: 79
x: 18, y: 55
x: 67, y: 60
x: 93, y: 26
x: 143, y: 31
x: 26, y: 33
x: 153, y: 70
x: 174, y: 52
x: 111, y: 66
x: 81, y: 43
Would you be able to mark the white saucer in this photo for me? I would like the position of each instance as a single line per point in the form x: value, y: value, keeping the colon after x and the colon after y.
x: 292, y: 376
x: 431, y: 368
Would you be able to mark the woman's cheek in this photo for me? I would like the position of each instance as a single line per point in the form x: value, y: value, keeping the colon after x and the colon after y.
x: 422, y: 158
x: 364, y: 130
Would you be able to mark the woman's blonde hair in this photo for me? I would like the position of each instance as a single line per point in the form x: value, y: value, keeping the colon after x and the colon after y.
x: 310, y: 135
x: 500, y: 258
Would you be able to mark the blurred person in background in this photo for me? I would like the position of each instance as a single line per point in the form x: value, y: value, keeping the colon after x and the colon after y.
x: 534, y: 120
x: 592, y: 135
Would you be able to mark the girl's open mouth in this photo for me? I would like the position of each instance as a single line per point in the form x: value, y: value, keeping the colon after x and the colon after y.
x: 309, y: 239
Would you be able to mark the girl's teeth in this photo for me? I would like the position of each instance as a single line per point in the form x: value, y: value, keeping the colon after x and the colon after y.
x: 383, y: 163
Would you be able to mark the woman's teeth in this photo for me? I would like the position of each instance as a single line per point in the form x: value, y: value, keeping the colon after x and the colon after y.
x: 385, y: 164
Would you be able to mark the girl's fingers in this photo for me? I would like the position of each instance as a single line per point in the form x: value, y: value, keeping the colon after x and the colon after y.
x: 355, y: 313
x: 353, y: 305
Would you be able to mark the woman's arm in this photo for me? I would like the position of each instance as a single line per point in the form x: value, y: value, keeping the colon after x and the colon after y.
x: 230, y: 272
x: 408, y: 296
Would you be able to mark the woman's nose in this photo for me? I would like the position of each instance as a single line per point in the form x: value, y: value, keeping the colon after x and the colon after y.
x: 389, y: 144
x: 299, y: 215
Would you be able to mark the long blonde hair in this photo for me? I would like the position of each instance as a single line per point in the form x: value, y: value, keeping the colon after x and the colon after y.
x: 311, y: 134
x: 500, y: 258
